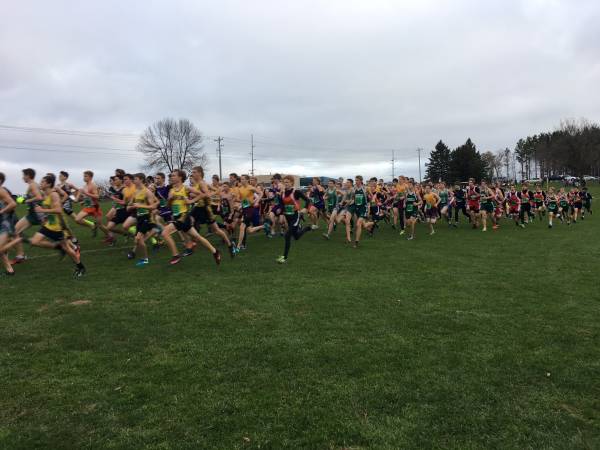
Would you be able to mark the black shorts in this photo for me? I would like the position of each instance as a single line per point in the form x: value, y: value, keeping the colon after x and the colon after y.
x: 182, y: 222
x: 577, y: 205
x: 248, y: 215
x: 144, y: 224
x: 202, y: 215
x: 121, y: 216
x: 55, y: 236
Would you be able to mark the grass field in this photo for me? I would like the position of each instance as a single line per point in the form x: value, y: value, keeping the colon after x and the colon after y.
x: 458, y: 340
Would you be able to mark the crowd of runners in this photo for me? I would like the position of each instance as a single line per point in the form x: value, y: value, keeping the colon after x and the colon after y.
x: 158, y: 210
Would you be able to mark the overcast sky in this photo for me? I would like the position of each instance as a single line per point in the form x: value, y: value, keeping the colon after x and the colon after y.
x: 327, y: 88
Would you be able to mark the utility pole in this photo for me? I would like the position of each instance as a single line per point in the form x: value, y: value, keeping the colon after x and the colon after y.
x: 218, y: 140
x: 393, y: 166
x: 419, y: 152
x: 252, y: 153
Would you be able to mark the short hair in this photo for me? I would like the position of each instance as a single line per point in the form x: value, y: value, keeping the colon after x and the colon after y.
x: 140, y: 176
x: 245, y: 176
x: 50, y: 179
x: 277, y: 177
x: 120, y: 172
x: 199, y: 169
x: 64, y: 174
x: 359, y: 177
x: 29, y: 172
x: 89, y: 173
x: 161, y: 174
x: 289, y: 178
x: 128, y: 175
x: 216, y: 177
x: 181, y: 174
x: 2, y: 178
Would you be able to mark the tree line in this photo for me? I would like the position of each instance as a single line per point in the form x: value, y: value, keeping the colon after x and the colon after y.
x: 573, y: 148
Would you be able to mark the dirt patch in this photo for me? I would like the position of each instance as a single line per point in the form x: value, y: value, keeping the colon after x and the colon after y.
x: 80, y: 302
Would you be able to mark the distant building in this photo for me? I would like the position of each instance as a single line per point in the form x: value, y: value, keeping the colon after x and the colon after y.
x: 266, y: 179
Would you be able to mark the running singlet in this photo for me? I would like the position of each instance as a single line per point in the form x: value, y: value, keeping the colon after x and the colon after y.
x: 317, y: 196
x: 178, y: 198
x: 332, y: 198
x: 202, y: 200
x: 430, y: 199
x: 443, y: 197
x: 141, y: 197
x: 162, y: 192
x: 128, y: 192
x: 473, y: 195
x: 411, y: 199
x: 290, y: 204
x: 359, y: 196
x: 53, y: 220
x: 117, y: 193
x: 539, y: 198
x: 246, y: 196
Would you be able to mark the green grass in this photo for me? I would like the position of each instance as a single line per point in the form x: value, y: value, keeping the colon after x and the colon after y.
x: 459, y: 340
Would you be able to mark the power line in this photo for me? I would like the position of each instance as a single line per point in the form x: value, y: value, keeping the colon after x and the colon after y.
x: 69, y: 132
x: 51, y: 150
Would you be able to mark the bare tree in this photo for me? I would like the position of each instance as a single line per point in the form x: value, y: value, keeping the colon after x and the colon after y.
x: 169, y: 144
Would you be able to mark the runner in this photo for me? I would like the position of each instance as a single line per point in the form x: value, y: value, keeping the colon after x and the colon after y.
x: 51, y: 234
x: 89, y: 196
x: 8, y: 220
x: 33, y: 197
x: 412, y: 203
x: 291, y: 210
x: 202, y: 212
x: 473, y: 202
x: 552, y: 205
x: 181, y: 220
x: 143, y: 202
x: 432, y: 202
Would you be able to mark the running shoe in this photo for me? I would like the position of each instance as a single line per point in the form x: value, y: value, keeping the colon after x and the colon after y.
x: 79, y: 272
x: 175, y: 260
x: 18, y: 260
x: 130, y: 255
x: 187, y: 252
x: 142, y: 262
x: 326, y: 236
x: 281, y: 260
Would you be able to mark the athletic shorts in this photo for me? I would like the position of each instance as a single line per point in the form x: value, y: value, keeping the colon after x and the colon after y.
x: 93, y: 211
x: 55, y: 236
x: 34, y: 218
x: 320, y: 206
x: 360, y: 211
x: 552, y: 208
x: 7, y: 224
x: 330, y: 209
x: 121, y: 216
x: 68, y: 210
x: 474, y: 206
x: 202, y: 215
x: 144, y: 224
x: 166, y: 214
x: 248, y: 215
x: 398, y: 204
x: 578, y: 205
x: 411, y: 213
x: 488, y: 207
x: 182, y: 222
x: 431, y: 213
x: 513, y: 210
x: 277, y: 209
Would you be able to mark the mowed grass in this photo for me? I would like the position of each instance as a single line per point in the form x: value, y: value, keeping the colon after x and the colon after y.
x: 459, y: 340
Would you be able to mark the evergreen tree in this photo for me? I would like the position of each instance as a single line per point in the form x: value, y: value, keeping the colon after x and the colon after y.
x: 438, y: 167
x: 466, y: 162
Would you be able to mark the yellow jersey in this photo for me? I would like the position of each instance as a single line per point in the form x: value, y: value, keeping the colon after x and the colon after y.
x: 128, y: 193
x: 178, y: 198
x: 53, y: 220
x: 141, y: 197
x: 246, y: 196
